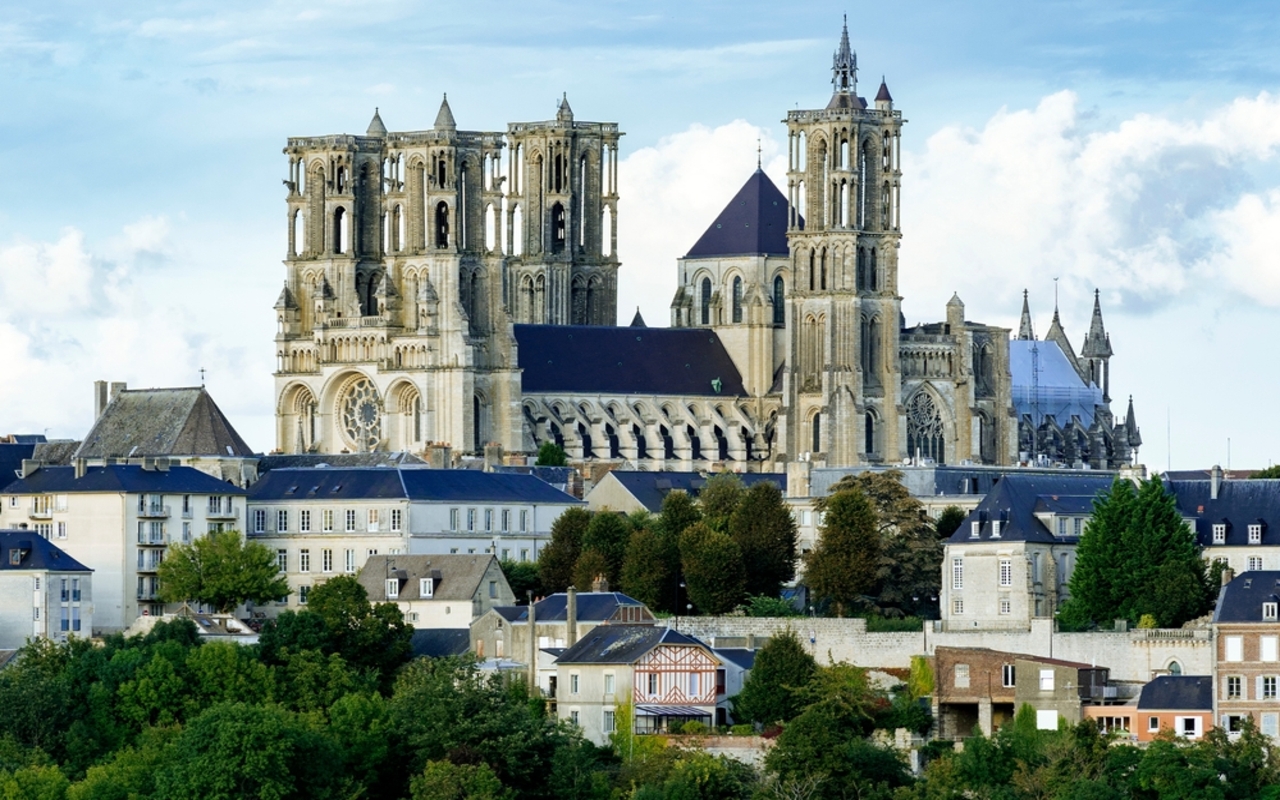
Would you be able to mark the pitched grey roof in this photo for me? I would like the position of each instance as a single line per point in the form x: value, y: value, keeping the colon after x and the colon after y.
x: 440, y: 642
x: 162, y: 422
x: 622, y: 644
x: 739, y: 656
x: 444, y: 118
x: 59, y: 452
x: 649, y: 488
x: 130, y: 479
x: 1177, y: 693
x: 753, y: 223
x: 1240, y: 503
x: 395, y: 459
x: 592, y: 607
x: 412, y: 483
x: 28, y: 550
x: 456, y: 577
x: 1241, y: 600
x: 1015, y: 498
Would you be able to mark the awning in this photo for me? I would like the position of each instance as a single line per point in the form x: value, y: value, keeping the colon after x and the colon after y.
x: 671, y: 711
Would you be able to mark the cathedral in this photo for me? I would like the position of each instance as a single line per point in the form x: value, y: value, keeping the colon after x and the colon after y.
x: 459, y: 288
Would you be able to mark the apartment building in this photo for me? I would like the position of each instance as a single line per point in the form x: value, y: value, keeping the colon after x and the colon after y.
x: 1246, y: 625
x: 44, y: 593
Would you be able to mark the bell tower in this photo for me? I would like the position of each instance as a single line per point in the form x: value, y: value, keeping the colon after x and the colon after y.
x: 842, y: 388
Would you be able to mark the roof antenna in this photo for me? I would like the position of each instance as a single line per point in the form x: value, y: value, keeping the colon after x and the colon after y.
x: 202, y: 377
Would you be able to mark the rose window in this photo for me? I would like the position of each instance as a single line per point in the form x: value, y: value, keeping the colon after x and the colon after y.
x: 361, y: 413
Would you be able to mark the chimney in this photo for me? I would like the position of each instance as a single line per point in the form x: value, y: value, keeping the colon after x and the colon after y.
x: 571, y: 616
x: 1215, y: 481
x: 600, y: 584
x: 29, y: 467
x: 80, y: 464
x: 99, y: 398
x: 116, y: 388
x: 1228, y: 575
x: 492, y: 456
x: 533, y: 645
x: 439, y: 455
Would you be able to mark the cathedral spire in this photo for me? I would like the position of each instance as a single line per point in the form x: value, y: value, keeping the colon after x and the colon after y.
x: 1025, y: 331
x: 844, y: 65
x: 444, y: 119
x: 1096, y: 343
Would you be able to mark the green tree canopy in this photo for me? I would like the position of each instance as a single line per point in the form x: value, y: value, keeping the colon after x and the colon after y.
x: 558, y: 559
x: 608, y: 534
x: 774, y: 690
x: 523, y: 577
x: 222, y: 570
x: 591, y: 564
x: 765, y: 531
x: 713, y: 570
x: 949, y: 521
x: 1270, y: 473
x: 364, y: 634
x: 719, y: 498
x: 844, y: 565
x: 648, y: 568
x: 551, y: 454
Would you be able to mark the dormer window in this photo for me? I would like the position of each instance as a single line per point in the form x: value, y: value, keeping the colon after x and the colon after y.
x: 393, y: 588
x: 15, y: 557
x: 1062, y: 526
x: 1269, y: 611
x: 1255, y: 534
x: 426, y: 587
x: 1219, y: 533
x: 975, y: 528
x: 995, y: 529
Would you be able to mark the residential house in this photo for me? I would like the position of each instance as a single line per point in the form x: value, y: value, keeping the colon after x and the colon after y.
x: 119, y: 521
x: 437, y: 591
x: 323, y: 521
x: 1246, y: 625
x: 1179, y: 703
x: 667, y: 677
x: 1232, y: 519
x: 44, y: 593
x: 737, y: 663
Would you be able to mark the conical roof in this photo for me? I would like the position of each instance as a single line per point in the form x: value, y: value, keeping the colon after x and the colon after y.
x: 564, y: 113
x: 1025, y: 331
x: 286, y: 299
x: 1096, y: 343
x: 376, y: 128
x: 1131, y: 426
x: 883, y: 94
x: 753, y: 223
x: 638, y: 321
x: 444, y: 119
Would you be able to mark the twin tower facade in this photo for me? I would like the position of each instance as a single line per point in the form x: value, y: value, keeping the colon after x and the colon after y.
x: 459, y: 287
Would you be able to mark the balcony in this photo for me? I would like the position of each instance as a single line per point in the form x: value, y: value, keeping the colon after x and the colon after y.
x: 41, y: 512
x: 223, y: 513
x: 153, y: 512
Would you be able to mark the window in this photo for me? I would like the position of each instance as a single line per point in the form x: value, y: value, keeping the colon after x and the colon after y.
x: 259, y: 520
x: 373, y: 520
x: 653, y: 684
x: 1006, y: 605
x: 351, y: 520
x: 573, y: 717
x: 426, y: 587
x: 62, y: 530
x: 524, y: 553
x: 608, y: 683
x: 75, y: 591
x: 1255, y: 563
x: 1078, y: 525
x: 995, y: 529
x: 304, y: 560
x: 573, y: 683
x: 350, y: 565
x: 488, y: 519
x: 957, y: 573
x: 957, y: 606
x: 373, y: 551
x: 326, y: 560
x: 975, y: 529
x: 471, y: 519
x: 1219, y: 533
x: 186, y: 505
x: 1234, y: 685
x: 1006, y: 572
x: 609, y: 721
x: 506, y: 554
x: 397, y: 519
x: 1269, y: 725
x: 962, y: 676
x: 1046, y: 680
x: 1255, y: 534
x: 506, y: 520
x: 326, y: 520
x: 282, y: 560
x: 1268, y: 649
x: 1268, y: 687
x: 453, y: 519
x: 1007, y: 675
x: 1035, y: 567
x: 695, y: 684
x: 1153, y: 724
x: 303, y: 591
x: 282, y: 520
x: 1269, y: 611
x: 1062, y: 526
x: 524, y: 521
x: 393, y: 588
x: 1234, y: 647
x: 493, y: 589
x: 304, y: 520
x: 186, y: 533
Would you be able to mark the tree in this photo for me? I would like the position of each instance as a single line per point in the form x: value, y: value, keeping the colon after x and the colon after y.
x: 773, y: 691
x: 441, y: 780
x: 223, y: 570
x: 646, y: 572
x: 591, y: 564
x: 713, y: 571
x: 365, y: 635
x: 765, y: 531
x: 551, y: 454
x: 678, y: 513
x: 949, y: 521
x: 523, y: 577
x: 607, y: 534
x: 843, y: 566
x: 719, y: 498
x: 557, y: 560
x: 1270, y: 473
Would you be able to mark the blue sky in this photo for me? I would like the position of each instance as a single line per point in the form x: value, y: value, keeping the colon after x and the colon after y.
x: 1131, y: 147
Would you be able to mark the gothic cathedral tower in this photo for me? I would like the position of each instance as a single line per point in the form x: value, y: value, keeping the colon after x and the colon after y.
x: 842, y: 389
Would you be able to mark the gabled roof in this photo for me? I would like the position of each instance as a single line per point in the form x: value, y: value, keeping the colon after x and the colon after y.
x: 1177, y: 693
x: 28, y: 550
x: 11, y: 457
x: 1241, y: 600
x: 592, y: 607
x: 1015, y: 499
x: 649, y: 488
x: 59, y: 452
x: 116, y: 478
x: 753, y: 223
x: 622, y: 644
x: 411, y: 483
x: 455, y: 577
x: 606, y: 360
x: 162, y: 422
x: 740, y: 657
x: 1240, y: 503
x: 440, y: 642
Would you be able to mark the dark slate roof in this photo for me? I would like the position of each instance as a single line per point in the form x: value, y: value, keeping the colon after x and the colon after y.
x: 1177, y: 693
x: 1015, y: 498
x: 413, y: 483
x: 604, y: 360
x: 556, y: 476
x: 457, y: 577
x: 592, y: 607
x: 396, y: 459
x: 131, y: 478
x: 35, y: 553
x: 1239, y: 505
x: 649, y: 488
x: 740, y: 656
x: 1241, y: 600
x: 11, y: 456
x: 59, y: 452
x: 8, y: 657
x: 622, y: 644
x: 754, y: 223
x: 440, y: 642
x: 162, y: 422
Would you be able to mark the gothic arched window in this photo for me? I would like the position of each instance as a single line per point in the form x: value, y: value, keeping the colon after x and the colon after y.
x: 737, y: 299
x: 873, y: 280
x: 779, y: 298
x: 339, y: 230
x: 924, y: 428
x: 869, y: 446
x: 706, y: 301
x: 817, y: 432
x: 442, y: 224
x: 557, y: 228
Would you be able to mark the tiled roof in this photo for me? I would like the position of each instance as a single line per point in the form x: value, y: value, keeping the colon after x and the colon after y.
x: 753, y: 223
x: 457, y: 577
x: 622, y: 644
x: 649, y: 488
x: 1177, y: 693
x: 28, y: 550
x: 412, y: 483
x: 649, y: 361
x: 1241, y: 600
x: 162, y: 422
x: 1239, y: 504
x: 129, y: 478
x: 1015, y: 498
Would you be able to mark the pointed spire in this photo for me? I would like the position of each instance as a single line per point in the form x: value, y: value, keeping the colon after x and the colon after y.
x: 444, y: 119
x: 564, y: 113
x: 385, y: 288
x: 844, y: 65
x: 1025, y: 331
x: 376, y: 128
x: 638, y: 321
x: 1131, y: 426
x: 1096, y: 343
x: 286, y: 300
x: 883, y: 94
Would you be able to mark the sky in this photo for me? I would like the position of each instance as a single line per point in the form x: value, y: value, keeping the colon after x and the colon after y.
x: 1127, y: 147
